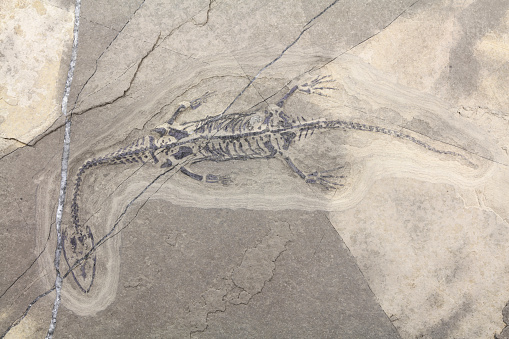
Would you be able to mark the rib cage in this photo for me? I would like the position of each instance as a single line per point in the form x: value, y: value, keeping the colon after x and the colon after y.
x: 240, y: 136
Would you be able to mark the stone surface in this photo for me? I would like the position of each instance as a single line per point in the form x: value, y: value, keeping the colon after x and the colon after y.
x: 410, y: 245
x: 34, y: 36
x: 419, y: 239
x: 209, y: 273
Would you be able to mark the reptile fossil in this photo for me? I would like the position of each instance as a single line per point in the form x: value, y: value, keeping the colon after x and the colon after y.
x: 265, y: 133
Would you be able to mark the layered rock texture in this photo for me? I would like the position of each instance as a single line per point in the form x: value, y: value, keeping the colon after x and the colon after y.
x: 260, y: 169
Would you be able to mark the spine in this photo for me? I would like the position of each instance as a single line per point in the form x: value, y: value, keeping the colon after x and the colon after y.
x: 134, y: 152
x: 337, y: 124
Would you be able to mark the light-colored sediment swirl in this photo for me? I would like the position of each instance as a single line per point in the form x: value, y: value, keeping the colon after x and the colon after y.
x: 363, y: 96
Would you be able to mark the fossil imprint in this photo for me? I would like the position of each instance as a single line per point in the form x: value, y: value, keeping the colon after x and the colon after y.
x: 265, y: 133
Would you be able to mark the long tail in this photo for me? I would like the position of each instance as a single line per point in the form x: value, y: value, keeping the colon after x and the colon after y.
x: 340, y: 124
x: 81, y: 239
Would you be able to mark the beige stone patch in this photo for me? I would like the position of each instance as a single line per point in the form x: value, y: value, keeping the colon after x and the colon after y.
x: 493, y: 49
x: 495, y: 44
x: 27, y: 328
x: 416, y: 50
x: 438, y: 265
x: 33, y: 37
x: 438, y: 269
x: 18, y: 30
x: 39, y: 7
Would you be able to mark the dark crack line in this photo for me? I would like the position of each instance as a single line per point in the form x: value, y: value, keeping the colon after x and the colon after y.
x: 30, y: 266
x: 109, y: 195
x: 169, y: 104
x: 109, y: 235
x: 17, y: 321
x: 264, y: 99
x: 229, y: 304
x: 9, y: 153
x: 348, y: 50
x: 320, y: 14
x: 145, y: 202
x: 105, y: 50
x: 90, y: 252
x: 157, y: 44
x: 16, y: 140
x: 247, y: 77
x: 307, y: 26
x: 208, y: 13
x: 256, y: 89
x: 362, y: 274
x: 137, y: 63
x: 130, y: 35
x: 50, y: 130
x: 368, y: 38
x: 138, y: 66
x: 36, y: 139
x: 105, y: 26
